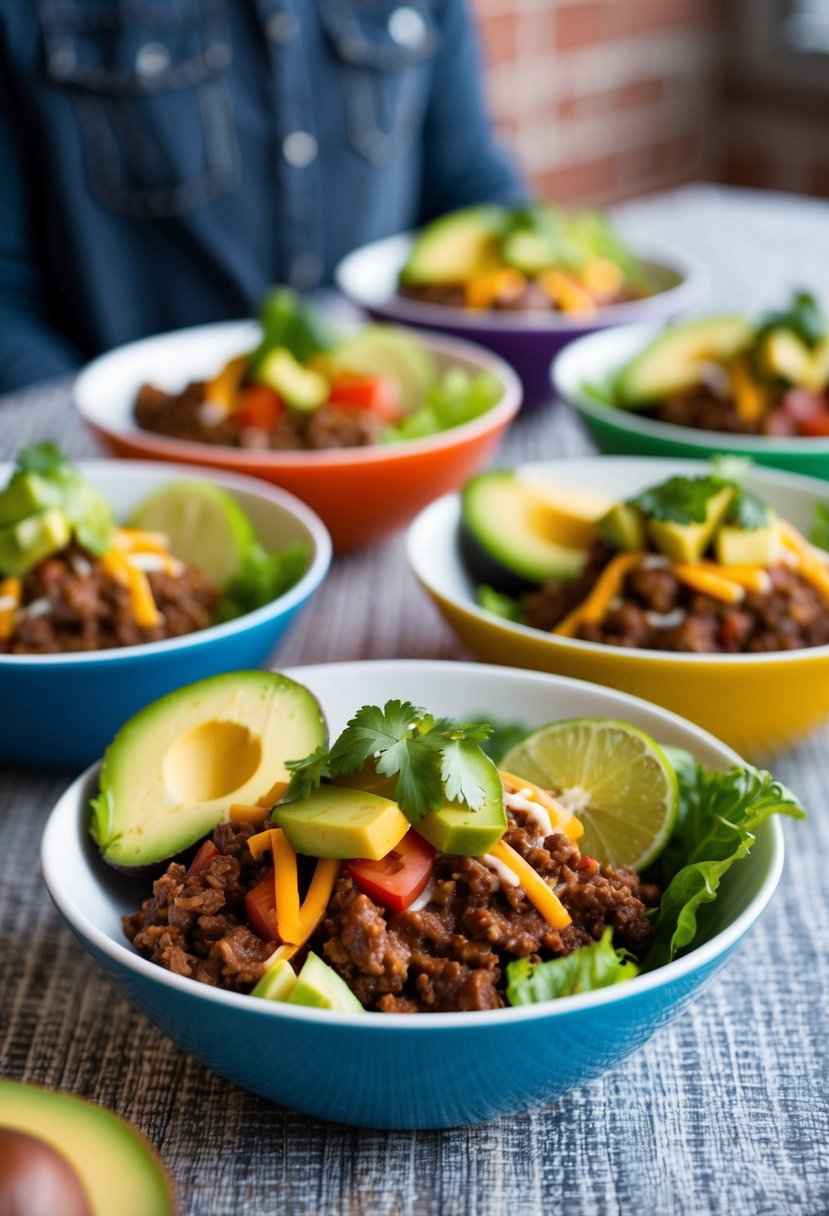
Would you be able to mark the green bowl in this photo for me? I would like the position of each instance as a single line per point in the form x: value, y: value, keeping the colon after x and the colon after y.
x: 592, y: 360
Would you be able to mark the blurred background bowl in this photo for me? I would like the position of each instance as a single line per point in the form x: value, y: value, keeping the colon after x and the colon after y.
x: 625, y: 432
x: 410, y: 1070
x: 368, y: 278
x: 362, y: 494
x: 759, y: 703
x: 61, y: 710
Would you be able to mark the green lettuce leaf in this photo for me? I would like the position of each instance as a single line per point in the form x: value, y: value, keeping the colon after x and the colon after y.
x: 591, y: 967
x: 719, y: 817
x: 499, y: 603
x: 289, y: 322
x: 457, y: 397
x: 819, y: 534
x: 262, y: 578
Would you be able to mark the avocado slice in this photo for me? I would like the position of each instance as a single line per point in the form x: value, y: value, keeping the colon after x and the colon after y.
x: 116, y: 1167
x: 457, y: 829
x: 336, y: 821
x: 503, y: 535
x: 456, y: 247
x: 27, y: 494
x: 529, y: 252
x: 277, y: 983
x: 623, y: 527
x: 174, y: 770
x: 735, y: 546
x: 300, y: 387
x: 319, y: 986
x: 686, y: 542
x: 384, y: 350
x: 30, y: 540
x: 675, y: 361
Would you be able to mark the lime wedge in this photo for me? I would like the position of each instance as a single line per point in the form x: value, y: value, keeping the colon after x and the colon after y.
x: 613, y: 776
x: 206, y: 527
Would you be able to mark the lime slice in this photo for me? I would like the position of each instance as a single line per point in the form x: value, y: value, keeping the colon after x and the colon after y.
x: 206, y: 527
x: 613, y: 776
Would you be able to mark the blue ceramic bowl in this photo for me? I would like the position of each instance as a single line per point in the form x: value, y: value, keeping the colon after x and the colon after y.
x: 368, y: 277
x: 61, y: 711
x: 410, y: 1070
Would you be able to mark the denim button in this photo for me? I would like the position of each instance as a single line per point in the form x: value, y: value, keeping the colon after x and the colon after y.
x: 305, y: 271
x: 300, y: 149
x: 62, y: 61
x: 281, y: 27
x: 153, y: 59
x: 406, y: 27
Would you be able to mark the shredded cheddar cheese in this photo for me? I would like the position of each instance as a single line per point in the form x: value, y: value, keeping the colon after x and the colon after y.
x: 142, y: 605
x: 749, y: 396
x: 560, y: 817
x: 592, y: 610
x: 286, y: 887
x: 245, y: 813
x: 750, y: 578
x: 709, y: 582
x: 260, y: 844
x: 567, y: 292
x: 319, y: 893
x: 10, y: 592
x: 533, y: 885
x: 602, y: 276
x: 485, y: 289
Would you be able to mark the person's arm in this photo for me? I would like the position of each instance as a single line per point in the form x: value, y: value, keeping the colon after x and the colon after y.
x: 463, y: 163
x: 29, y: 349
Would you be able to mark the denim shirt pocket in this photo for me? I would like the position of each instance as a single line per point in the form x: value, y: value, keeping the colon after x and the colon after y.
x: 384, y: 52
x: 147, y: 83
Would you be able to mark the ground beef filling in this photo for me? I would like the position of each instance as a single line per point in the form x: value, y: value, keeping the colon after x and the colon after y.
x: 70, y: 603
x: 703, y: 408
x: 531, y: 297
x: 188, y: 416
x: 656, y: 612
x: 447, y: 956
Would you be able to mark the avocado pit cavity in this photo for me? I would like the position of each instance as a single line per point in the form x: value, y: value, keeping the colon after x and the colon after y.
x: 210, y: 761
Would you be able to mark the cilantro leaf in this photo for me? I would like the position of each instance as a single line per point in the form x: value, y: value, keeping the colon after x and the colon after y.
x: 460, y: 769
x: 747, y: 511
x: 682, y: 500
x: 307, y: 774
x: 803, y: 317
x: 373, y: 730
x: 45, y: 458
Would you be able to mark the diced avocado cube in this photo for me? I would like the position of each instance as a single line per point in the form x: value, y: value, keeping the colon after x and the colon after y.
x: 748, y: 546
x: 529, y: 252
x: 27, y: 494
x: 676, y: 359
x: 300, y: 387
x: 787, y: 356
x: 623, y: 527
x: 30, y: 540
x: 687, y: 542
x: 339, y: 822
x: 277, y: 983
x: 456, y: 828
x: 319, y: 986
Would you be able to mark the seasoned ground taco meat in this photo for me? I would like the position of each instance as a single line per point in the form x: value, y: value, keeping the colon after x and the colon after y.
x: 70, y: 603
x: 531, y: 297
x: 188, y: 416
x: 447, y: 955
x: 655, y: 611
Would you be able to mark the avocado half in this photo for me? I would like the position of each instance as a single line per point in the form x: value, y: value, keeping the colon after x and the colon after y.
x: 674, y: 360
x: 174, y: 770
x: 501, y: 536
x: 88, y: 1160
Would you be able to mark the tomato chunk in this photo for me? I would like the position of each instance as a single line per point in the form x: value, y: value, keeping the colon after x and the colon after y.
x: 376, y: 393
x: 258, y: 405
x: 260, y: 909
x: 396, y: 880
x: 206, y: 852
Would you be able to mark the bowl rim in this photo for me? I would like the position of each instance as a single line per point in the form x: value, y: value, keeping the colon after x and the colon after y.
x: 564, y: 381
x: 449, y: 505
x: 693, y: 283
x: 222, y: 456
x: 71, y: 801
x: 293, y: 597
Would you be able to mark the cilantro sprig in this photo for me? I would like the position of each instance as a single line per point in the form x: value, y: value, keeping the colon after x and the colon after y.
x: 434, y: 759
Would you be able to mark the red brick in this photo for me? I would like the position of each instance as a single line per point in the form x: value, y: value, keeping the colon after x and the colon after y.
x: 629, y: 96
x: 639, y: 93
x: 499, y: 37
x: 646, y: 15
x: 580, y: 182
x: 586, y: 21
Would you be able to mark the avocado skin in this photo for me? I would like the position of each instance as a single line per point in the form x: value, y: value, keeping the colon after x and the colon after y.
x: 673, y: 361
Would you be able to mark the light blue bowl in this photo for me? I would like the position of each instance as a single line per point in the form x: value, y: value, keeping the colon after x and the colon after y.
x: 409, y: 1070
x: 61, y: 711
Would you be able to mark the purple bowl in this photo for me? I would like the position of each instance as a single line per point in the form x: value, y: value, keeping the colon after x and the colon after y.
x: 529, y: 341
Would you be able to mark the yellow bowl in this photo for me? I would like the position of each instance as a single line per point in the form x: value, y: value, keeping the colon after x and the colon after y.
x: 758, y: 703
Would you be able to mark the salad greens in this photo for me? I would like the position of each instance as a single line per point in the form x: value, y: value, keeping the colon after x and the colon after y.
x: 60, y: 485
x: 434, y: 759
x: 456, y: 398
x: 803, y: 317
x: 599, y: 965
x: 681, y: 500
x: 261, y: 578
x: 288, y: 322
x: 819, y: 534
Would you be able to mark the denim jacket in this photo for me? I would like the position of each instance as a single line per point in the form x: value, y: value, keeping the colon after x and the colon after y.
x: 163, y: 161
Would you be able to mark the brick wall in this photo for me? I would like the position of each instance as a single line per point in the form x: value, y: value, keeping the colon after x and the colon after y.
x: 603, y: 99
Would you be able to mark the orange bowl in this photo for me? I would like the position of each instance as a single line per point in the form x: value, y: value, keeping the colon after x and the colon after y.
x: 362, y: 494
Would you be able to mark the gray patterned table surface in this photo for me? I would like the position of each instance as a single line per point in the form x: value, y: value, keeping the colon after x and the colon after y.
x: 726, y: 1111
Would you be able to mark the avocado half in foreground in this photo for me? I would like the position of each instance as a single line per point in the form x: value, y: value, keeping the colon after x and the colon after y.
x: 174, y: 770
x: 61, y: 1154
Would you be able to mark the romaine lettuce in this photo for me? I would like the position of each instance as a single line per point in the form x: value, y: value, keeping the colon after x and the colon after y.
x: 596, y: 966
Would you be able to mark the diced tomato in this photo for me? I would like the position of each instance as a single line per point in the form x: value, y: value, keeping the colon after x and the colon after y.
x: 260, y: 909
x: 258, y: 405
x: 206, y: 853
x: 396, y: 880
x: 817, y: 426
x: 779, y: 423
x: 376, y: 393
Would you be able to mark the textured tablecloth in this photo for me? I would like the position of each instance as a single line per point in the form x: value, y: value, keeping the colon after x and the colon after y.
x: 726, y: 1111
